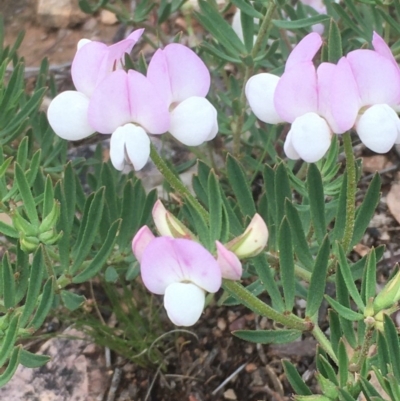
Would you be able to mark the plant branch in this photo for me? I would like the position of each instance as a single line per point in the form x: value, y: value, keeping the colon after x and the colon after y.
x: 324, y: 342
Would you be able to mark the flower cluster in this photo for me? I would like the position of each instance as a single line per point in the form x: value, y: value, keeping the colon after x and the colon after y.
x: 186, y: 270
x: 361, y: 91
x: 130, y: 105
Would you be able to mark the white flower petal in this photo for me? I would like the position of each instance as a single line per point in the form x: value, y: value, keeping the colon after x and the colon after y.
x: 82, y: 43
x: 129, y: 144
x: 378, y: 128
x: 193, y: 121
x: 260, y: 91
x: 184, y: 303
x: 290, y: 151
x: 311, y: 137
x: 67, y: 115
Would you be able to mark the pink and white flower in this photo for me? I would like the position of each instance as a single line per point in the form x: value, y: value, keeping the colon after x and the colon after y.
x: 184, y: 273
x: 93, y: 61
x: 183, y: 81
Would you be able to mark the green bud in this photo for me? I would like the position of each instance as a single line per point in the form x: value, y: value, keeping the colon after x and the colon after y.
x: 22, y: 225
x: 389, y: 295
x: 50, y: 237
x: 328, y: 388
x: 29, y: 244
x: 51, y: 219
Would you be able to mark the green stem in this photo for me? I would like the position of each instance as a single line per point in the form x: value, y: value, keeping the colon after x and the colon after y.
x: 263, y: 31
x: 350, y: 192
x: 251, y: 301
x: 324, y: 342
x: 363, y: 353
x: 175, y: 183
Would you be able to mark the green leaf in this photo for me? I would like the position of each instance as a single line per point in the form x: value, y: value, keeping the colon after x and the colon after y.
x: 301, y: 247
x: 220, y: 28
x: 101, y: 257
x: 45, y: 304
x: 268, y: 336
x: 247, y: 23
x: 215, y: 207
x: 111, y: 275
x: 346, y: 313
x: 9, y: 340
x: 383, y: 353
x: 35, y: 284
x: 8, y: 230
x: 348, y: 278
x: 334, y: 43
x: 335, y: 329
x: 343, y: 364
x: 295, y: 379
x: 240, y: 186
x: 282, y: 191
x: 366, y: 211
x: 8, y: 282
x: 48, y: 199
x: 286, y: 264
x: 22, y: 153
x: 316, y: 289
x: 317, y: 201
x: 89, y: 228
x: 30, y: 360
x: 26, y: 195
x: 266, y: 277
x: 300, y: 23
x: 12, y: 366
x: 369, y: 282
x: 392, y: 339
x: 71, y: 300
x: 247, y: 9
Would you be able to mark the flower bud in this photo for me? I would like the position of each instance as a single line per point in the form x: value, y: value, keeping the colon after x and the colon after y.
x: 51, y: 219
x: 229, y: 263
x: 29, y: 244
x: 168, y: 225
x: 389, y: 295
x: 252, y: 241
x: 50, y: 237
x: 140, y: 241
x: 22, y: 225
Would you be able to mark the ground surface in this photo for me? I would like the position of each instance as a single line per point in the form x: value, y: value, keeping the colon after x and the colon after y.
x: 205, y: 363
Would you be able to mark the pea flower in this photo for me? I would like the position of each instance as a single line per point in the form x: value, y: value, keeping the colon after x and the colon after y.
x: 183, y: 81
x: 317, y: 102
x: 128, y: 106
x: 183, y: 274
x: 93, y: 61
x: 376, y: 79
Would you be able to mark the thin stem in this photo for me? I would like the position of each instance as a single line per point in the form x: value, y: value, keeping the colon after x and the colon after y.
x: 350, y: 192
x: 324, y: 342
x: 251, y: 301
x: 175, y: 183
x: 263, y: 31
x: 363, y: 353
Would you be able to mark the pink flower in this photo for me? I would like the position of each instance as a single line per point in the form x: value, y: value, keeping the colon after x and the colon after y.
x: 93, y: 61
x: 180, y: 269
x: 128, y: 106
x: 183, y: 81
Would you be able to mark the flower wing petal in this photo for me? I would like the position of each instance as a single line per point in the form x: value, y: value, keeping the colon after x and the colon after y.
x: 194, y: 121
x: 305, y: 50
x: 260, y: 91
x: 311, y: 137
x: 68, y: 116
x: 378, y: 128
x: 184, y: 303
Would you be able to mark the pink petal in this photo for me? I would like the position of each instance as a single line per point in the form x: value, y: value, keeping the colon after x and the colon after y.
x: 377, y: 128
x: 296, y: 92
x: 68, y: 116
x: 378, y: 80
x: 184, y: 303
x: 187, y: 74
x: 147, y: 108
x: 311, y: 137
x: 140, y: 241
x: 338, y: 99
x: 260, y: 91
x: 109, y: 106
x: 182, y: 260
x: 229, y: 263
x: 305, y: 51
x: 193, y: 121
x: 383, y: 49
